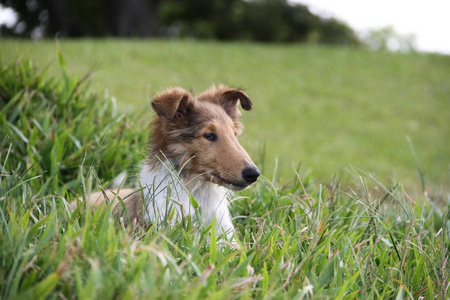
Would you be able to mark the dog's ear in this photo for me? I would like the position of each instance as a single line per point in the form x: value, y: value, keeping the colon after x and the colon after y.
x: 229, y: 100
x: 172, y: 103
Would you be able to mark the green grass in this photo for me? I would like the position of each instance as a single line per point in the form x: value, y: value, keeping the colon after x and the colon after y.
x: 304, y: 240
x: 49, y: 127
x: 329, y: 108
x: 309, y: 243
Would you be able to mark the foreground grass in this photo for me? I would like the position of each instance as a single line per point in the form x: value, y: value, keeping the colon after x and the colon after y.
x: 298, y: 241
x: 302, y: 242
x: 327, y: 107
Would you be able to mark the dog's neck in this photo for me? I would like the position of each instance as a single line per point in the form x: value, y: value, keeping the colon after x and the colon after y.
x: 169, y: 172
x: 164, y: 189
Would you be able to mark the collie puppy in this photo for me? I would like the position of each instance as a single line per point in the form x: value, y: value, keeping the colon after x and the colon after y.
x: 194, y: 158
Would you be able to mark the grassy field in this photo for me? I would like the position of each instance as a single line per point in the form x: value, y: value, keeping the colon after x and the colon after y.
x: 305, y: 240
x: 328, y: 108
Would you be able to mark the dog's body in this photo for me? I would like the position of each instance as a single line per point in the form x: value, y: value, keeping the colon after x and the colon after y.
x: 194, y: 156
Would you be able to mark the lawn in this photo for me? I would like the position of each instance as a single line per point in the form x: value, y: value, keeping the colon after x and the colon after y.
x: 326, y: 108
x: 357, y: 237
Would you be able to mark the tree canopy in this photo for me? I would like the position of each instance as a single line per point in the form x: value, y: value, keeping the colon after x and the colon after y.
x: 255, y: 20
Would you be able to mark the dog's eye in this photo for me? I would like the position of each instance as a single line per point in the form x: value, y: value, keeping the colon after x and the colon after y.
x: 210, y: 137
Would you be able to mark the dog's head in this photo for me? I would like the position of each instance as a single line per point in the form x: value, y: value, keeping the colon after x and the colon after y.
x: 199, y: 134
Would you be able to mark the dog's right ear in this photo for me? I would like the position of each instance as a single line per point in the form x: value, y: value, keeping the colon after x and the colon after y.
x: 172, y: 103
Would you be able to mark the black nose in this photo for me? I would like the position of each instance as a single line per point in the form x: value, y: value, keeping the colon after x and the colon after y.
x: 250, y: 174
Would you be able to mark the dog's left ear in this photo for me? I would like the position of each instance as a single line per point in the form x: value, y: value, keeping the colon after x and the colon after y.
x: 171, y: 104
x: 229, y: 100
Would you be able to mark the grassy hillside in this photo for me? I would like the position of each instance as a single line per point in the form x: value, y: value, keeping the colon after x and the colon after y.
x: 328, y: 108
x: 299, y: 241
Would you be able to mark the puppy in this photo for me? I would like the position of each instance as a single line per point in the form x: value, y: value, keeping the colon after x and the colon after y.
x: 194, y: 157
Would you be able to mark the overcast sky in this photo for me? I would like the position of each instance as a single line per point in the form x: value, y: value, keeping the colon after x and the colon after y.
x: 428, y: 21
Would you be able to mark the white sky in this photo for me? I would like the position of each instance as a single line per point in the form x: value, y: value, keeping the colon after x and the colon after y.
x: 428, y: 21
x: 7, y: 16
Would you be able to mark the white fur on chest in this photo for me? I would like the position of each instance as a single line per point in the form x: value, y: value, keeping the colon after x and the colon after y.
x: 167, y: 198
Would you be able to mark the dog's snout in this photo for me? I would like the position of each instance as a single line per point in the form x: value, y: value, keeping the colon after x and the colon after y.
x: 250, y: 174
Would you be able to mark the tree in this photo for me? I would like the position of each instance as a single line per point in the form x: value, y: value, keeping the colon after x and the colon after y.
x: 76, y: 18
x: 387, y: 39
x: 257, y: 20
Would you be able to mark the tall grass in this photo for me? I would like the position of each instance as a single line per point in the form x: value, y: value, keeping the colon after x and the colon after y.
x: 52, y: 127
x: 303, y: 241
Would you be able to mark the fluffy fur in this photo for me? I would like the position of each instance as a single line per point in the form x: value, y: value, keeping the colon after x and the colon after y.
x: 194, y: 154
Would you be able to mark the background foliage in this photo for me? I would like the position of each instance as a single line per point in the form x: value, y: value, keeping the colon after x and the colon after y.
x: 257, y: 20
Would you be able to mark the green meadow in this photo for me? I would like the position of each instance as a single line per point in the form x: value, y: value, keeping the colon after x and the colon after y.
x: 324, y: 108
x: 354, y: 148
